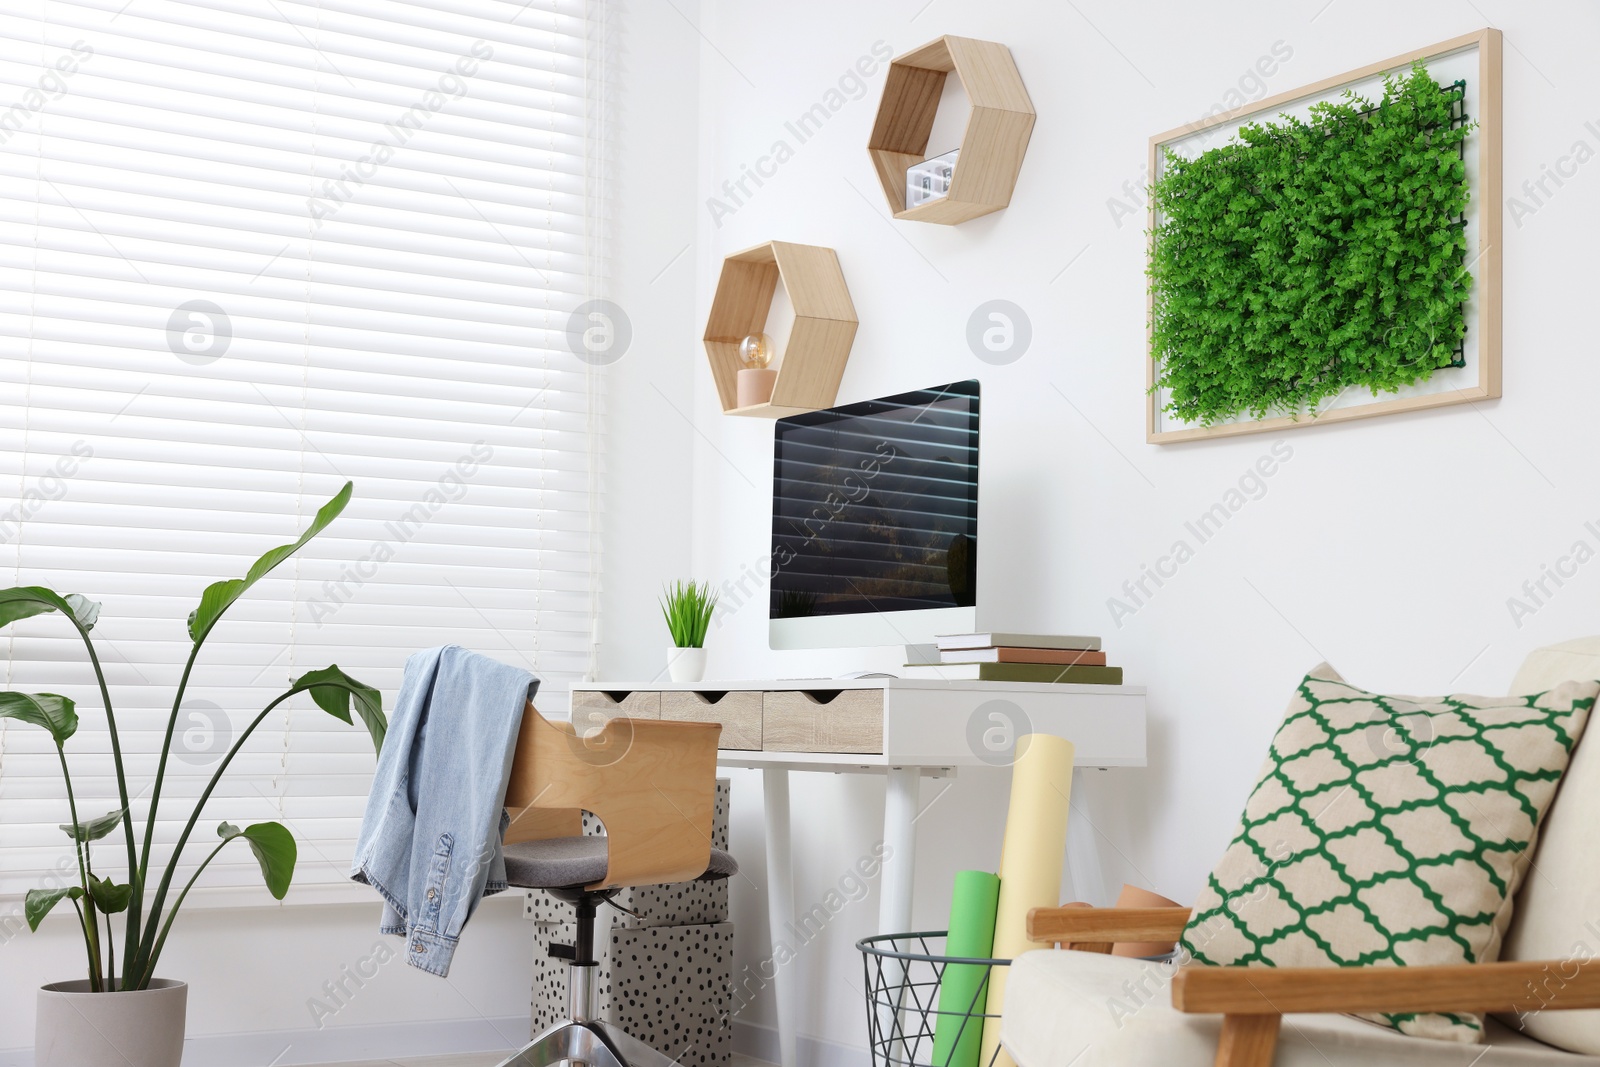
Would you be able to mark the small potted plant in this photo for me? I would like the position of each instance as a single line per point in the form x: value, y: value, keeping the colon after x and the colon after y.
x: 687, y: 608
x: 121, y: 1014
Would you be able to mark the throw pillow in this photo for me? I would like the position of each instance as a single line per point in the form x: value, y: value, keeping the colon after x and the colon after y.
x: 1389, y: 831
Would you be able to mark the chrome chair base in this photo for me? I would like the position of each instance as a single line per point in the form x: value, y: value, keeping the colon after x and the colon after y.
x: 581, y: 1038
x: 593, y: 1044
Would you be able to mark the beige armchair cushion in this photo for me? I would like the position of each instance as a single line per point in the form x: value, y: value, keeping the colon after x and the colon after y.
x: 1080, y: 1009
x: 1558, y: 911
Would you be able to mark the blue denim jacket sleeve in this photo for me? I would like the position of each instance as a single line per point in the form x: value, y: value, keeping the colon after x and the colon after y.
x: 430, y: 839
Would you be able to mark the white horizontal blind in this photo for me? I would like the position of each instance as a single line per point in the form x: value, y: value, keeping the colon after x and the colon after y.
x: 249, y: 250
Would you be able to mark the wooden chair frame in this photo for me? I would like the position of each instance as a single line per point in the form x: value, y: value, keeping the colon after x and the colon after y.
x: 652, y: 784
x: 1253, y: 1000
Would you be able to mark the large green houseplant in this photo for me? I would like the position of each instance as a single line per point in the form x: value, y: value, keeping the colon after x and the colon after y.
x: 147, y: 915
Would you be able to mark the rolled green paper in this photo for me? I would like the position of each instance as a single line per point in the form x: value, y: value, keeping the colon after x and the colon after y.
x: 964, y: 988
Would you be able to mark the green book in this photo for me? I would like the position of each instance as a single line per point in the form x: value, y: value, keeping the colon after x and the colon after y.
x: 1015, y: 672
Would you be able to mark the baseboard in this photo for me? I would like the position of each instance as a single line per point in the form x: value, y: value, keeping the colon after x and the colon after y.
x: 333, y: 1044
x: 761, y: 1043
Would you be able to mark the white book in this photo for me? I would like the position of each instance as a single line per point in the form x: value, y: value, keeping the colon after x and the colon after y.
x: 1061, y: 656
x: 943, y: 672
x: 1004, y: 640
x: 1015, y: 672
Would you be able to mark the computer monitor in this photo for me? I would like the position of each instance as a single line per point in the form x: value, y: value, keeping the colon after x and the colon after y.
x: 875, y: 521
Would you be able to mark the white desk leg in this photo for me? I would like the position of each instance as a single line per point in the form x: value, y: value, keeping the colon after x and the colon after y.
x: 900, y: 837
x: 780, y: 902
x: 1083, y: 845
x: 895, y: 893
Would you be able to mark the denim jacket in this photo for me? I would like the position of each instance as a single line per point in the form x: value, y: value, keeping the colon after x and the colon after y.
x: 430, y: 839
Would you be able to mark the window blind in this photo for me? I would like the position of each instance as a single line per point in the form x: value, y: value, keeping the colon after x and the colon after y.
x: 249, y: 250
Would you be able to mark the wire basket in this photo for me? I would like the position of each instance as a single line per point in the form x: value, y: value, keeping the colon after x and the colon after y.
x: 904, y: 975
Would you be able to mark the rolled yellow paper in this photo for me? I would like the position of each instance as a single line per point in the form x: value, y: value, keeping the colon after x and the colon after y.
x: 1031, y: 855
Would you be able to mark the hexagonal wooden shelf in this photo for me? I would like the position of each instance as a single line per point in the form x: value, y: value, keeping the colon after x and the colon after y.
x: 811, y: 364
x: 991, y: 148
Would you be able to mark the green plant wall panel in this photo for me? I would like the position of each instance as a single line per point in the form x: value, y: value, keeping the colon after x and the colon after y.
x: 1308, y: 257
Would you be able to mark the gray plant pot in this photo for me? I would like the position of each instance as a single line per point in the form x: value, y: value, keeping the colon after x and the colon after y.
x: 142, y: 1028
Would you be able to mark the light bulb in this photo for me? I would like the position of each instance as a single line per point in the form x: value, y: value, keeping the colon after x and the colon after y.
x: 756, y: 351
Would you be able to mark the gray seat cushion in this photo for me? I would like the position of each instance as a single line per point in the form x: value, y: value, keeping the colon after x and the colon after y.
x: 576, y: 861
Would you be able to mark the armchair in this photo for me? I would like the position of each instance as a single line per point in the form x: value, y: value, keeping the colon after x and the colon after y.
x: 1256, y: 1002
x: 1085, y: 1008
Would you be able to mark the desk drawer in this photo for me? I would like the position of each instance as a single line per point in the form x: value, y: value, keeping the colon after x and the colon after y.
x: 823, y: 720
x: 738, y: 711
x: 591, y: 708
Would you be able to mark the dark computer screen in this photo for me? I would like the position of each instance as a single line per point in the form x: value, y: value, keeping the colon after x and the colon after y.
x: 875, y: 505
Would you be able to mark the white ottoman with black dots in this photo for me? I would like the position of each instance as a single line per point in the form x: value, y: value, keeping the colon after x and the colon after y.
x: 666, y: 977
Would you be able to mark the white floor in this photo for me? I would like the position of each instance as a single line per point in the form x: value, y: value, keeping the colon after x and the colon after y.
x: 466, y: 1059
x: 484, y: 1059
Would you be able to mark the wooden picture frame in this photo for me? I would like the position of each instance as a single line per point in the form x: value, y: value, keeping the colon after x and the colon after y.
x: 1484, y: 249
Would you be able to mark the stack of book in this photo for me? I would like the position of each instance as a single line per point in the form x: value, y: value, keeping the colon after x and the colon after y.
x: 1002, y: 657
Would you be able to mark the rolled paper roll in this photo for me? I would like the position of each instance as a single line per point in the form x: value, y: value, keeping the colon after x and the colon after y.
x: 1134, y: 897
x: 1031, y: 855
x: 963, y: 988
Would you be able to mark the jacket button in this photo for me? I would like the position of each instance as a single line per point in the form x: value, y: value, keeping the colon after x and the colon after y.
x: 432, y: 893
x: 416, y: 946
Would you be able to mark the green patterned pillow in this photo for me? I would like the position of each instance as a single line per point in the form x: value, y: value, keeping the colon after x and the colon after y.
x: 1389, y: 831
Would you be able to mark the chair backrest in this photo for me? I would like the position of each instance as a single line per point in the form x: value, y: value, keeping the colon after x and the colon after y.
x: 1557, y: 915
x: 652, y: 784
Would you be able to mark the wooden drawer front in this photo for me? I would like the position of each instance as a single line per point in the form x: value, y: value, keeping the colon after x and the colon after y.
x: 591, y: 709
x: 739, y: 713
x: 831, y: 720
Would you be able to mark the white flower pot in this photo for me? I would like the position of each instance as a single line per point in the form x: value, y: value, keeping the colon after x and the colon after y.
x: 686, y: 664
x: 141, y: 1028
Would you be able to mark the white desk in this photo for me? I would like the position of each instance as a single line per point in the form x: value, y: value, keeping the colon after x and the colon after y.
x: 902, y: 728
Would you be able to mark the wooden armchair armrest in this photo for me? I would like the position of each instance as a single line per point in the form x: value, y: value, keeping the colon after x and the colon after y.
x: 1097, y: 929
x: 1254, y: 999
x: 652, y: 784
x: 1473, y: 987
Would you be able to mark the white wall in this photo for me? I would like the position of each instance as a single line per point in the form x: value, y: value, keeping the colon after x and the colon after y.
x: 254, y: 975
x: 650, y: 390
x: 1389, y: 547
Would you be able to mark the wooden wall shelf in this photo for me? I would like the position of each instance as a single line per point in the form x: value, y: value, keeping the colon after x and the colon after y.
x: 992, y: 147
x: 812, y: 363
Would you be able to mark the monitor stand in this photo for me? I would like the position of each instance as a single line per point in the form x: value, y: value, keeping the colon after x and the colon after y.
x: 915, y: 654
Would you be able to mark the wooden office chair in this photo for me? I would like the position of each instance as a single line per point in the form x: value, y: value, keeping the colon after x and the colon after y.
x: 653, y: 786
